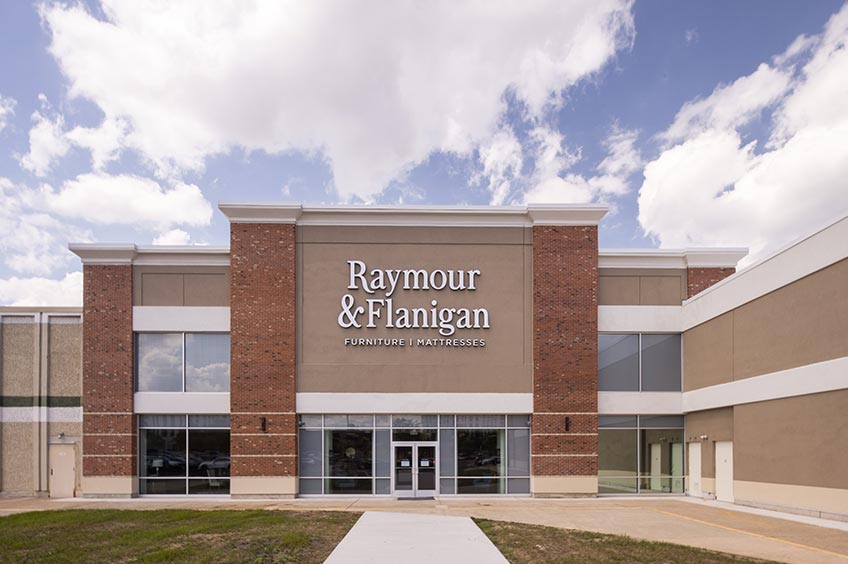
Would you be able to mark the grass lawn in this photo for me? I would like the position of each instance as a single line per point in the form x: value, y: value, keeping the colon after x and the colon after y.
x: 172, y: 536
x: 526, y: 544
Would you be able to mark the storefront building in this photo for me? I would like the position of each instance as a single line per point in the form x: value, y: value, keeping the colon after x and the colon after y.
x: 437, y: 351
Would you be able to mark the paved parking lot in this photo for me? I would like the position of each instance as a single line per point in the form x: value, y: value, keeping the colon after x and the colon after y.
x: 712, y: 525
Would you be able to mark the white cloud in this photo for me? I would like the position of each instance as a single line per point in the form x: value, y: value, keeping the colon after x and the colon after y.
x: 502, y: 159
x: 172, y: 237
x: 47, y: 141
x: 713, y: 188
x: 103, y: 141
x: 7, y: 110
x: 730, y: 106
x: 129, y: 200
x: 42, y: 291
x: 553, y: 184
x: 32, y: 241
x: 375, y: 88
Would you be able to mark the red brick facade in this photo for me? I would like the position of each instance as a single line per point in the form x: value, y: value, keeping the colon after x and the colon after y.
x: 565, y: 351
x: 699, y: 279
x: 262, y: 353
x: 109, y: 431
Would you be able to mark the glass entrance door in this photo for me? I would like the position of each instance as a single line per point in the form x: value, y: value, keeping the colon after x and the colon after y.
x: 414, y: 469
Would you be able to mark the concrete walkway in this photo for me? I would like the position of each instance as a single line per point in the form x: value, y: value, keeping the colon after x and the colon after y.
x: 408, y: 538
x: 712, y: 525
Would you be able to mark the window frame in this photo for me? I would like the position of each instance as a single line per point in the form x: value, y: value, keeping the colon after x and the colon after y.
x: 639, y: 362
x: 183, y: 375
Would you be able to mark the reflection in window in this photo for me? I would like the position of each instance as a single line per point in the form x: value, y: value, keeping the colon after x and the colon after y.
x: 348, y: 455
x: 618, y: 363
x: 159, y: 362
x: 661, y: 363
x: 645, y: 458
x: 193, y: 458
x: 207, y: 362
x: 177, y: 362
x: 479, y: 454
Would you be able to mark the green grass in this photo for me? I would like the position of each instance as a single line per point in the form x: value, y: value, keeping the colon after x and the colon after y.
x: 526, y: 544
x: 172, y: 536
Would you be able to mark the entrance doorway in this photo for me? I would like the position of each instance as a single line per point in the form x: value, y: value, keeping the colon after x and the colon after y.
x: 62, y: 470
x: 724, y: 470
x: 695, y: 469
x: 415, y: 472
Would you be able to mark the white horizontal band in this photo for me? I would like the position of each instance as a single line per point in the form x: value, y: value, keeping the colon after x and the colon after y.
x: 181, y: 402
x: 314, y: 402
x: 640, y: 403
x: 824, y: 376
x: 178, y: 319
x: 41, y: 414
x: 640, y: 319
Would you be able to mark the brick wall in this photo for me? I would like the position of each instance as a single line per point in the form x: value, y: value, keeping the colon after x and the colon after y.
x: 565, y: 351
x: 262, y: 345
x: 109, y: 430
x: 699, y: 279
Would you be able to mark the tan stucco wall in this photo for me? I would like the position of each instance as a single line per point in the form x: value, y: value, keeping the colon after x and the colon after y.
x: 800, y: 441
x: 622, y: 286
x: 17, y: 459
x: 19, y: 357
x: 799, y: 324
x: 503, y: 256
x: 181, y: 286
x: 64, y: 363
x: 717, y: 425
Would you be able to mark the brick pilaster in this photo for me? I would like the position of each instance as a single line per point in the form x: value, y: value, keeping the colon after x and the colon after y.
x: 262, y: 341
x: 109, y: 428
x: 699, y: 279
x: 565, y: 352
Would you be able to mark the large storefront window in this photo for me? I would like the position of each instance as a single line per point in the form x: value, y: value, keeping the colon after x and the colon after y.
x: 639, y: 362
x: 474, y: 454
x: 640, y: 454
x: 182, y: 362
x: 184, y: 454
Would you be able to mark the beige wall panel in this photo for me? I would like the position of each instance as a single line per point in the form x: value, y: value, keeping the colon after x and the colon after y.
x: 415, y: 235
x: 799, y: 441
x: 717, y: 425
x: 207, y: 290
x: 174, y: 291
x: 708, y: 353
x: 16, y: 458
x: 19, y: 358
x: 70, y: 429
x: 161, y: 289
x: 64, y: 360
x: 659, y: 290
x: 829, y: 503
x: 413, y: 378
x: 799, y: 324
x: 618, y: 290
x: 504, y: 286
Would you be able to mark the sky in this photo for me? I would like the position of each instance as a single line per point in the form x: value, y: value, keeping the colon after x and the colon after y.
x: 712, y: 123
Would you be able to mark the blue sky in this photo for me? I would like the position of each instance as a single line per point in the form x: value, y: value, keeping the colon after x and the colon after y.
x: 698, y: 123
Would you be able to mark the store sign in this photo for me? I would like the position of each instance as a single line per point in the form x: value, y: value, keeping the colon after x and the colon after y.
x: 384, y: 308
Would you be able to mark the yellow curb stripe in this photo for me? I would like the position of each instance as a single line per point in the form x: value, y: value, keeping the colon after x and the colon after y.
x: 790, y: 543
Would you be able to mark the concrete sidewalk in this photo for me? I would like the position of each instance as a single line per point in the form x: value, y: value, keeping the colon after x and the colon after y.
x: 712, y: 525
x: 410, y: 538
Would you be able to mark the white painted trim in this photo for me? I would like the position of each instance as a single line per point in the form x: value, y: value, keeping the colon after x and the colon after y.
x: 717, y: 257
x: 40, y: 414
x: 640, y: 403
x: 181, y: 402
x: 800, y: 259
x: 470, y: 403
x: 640, y: 319
x: 824, y: 376
x: 178, y: 319
x: 182, y: 255
x: 104, y: 253
x: 410, y: 216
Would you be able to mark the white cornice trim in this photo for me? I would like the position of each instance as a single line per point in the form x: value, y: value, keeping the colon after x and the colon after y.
x: 104, y: 253
x: 640, y: 403
x: 178, y: 319
x: 160, y: 255
x: 411, y: 216
x: 718, y: 257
